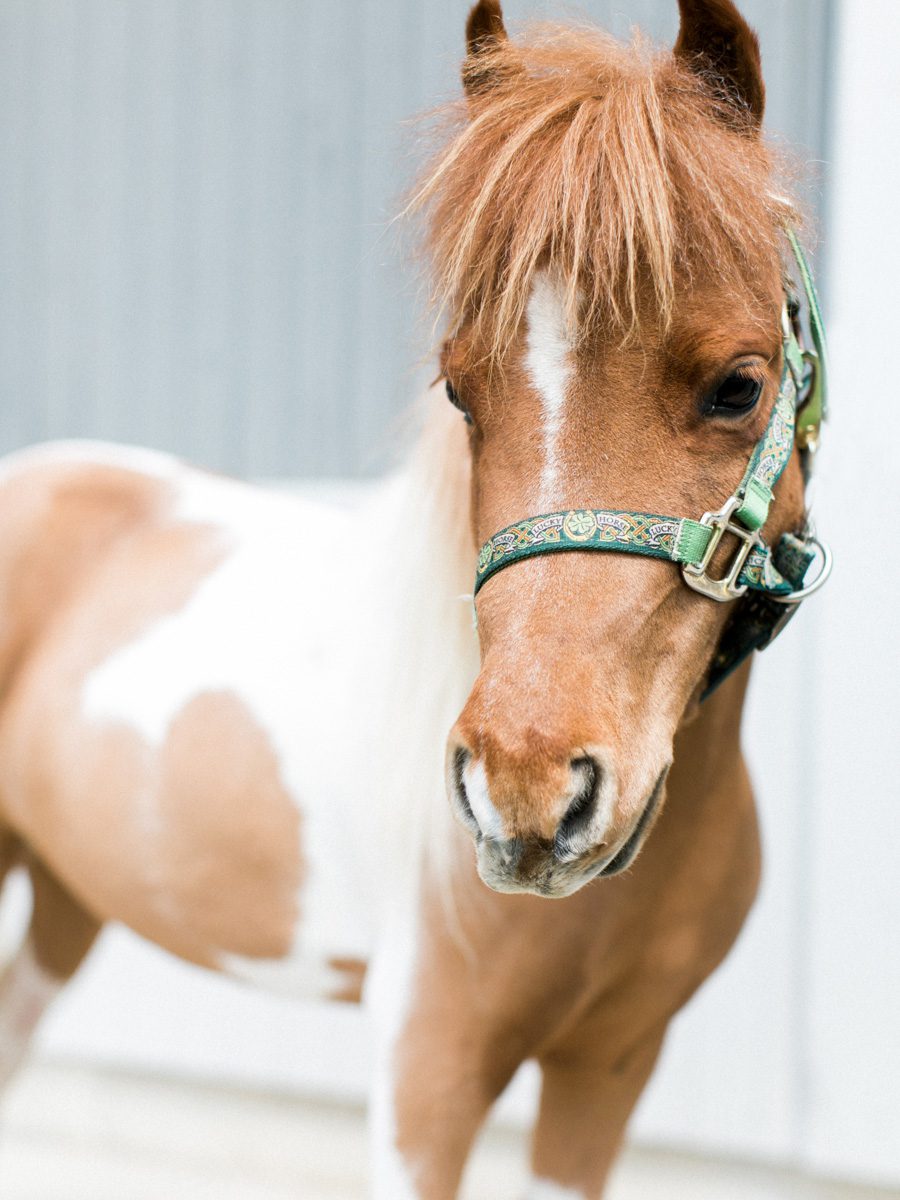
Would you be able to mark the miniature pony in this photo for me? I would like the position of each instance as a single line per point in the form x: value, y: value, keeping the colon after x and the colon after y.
x: 224, y: 712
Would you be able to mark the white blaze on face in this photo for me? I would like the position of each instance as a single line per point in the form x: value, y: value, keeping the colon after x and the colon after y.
x: 550, y: 363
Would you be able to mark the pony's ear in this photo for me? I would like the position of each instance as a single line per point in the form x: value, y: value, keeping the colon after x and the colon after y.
x: 715, y: 40
x: 485, y: 31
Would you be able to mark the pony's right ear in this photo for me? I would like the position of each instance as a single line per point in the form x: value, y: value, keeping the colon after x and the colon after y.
x: 715, y: 40
x: 485, y: 31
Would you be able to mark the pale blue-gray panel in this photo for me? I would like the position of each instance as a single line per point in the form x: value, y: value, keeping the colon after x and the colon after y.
x: 195, y: 222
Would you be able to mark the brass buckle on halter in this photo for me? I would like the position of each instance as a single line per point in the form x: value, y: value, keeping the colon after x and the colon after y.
x: 727, y: 587
x: 811, y: 410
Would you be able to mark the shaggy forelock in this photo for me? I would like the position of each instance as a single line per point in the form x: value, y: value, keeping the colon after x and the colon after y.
x: 615, y: 165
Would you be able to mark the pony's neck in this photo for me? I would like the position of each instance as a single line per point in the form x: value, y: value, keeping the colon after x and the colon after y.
x: 709, y: 813
x: 710, y: 734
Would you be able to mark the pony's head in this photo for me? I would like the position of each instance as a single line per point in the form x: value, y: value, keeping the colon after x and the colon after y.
x: 608, y: 247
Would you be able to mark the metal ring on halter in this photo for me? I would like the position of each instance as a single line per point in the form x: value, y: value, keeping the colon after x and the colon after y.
x: 827, y: 563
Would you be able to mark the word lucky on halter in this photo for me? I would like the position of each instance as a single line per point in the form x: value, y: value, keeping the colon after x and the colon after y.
x: 768, y: 580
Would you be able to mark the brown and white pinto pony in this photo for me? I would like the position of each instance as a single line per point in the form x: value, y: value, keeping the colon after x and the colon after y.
x: 224, y: 711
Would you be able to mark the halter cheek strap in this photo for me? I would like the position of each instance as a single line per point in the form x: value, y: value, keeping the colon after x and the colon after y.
x: 771, y: 578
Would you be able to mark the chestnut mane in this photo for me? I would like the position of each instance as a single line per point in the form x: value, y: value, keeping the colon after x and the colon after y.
x: 615, y: 165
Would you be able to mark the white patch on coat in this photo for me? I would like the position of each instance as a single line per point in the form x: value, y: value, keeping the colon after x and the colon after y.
x: 268, y: 629
x: 546, y: 1189
x: 550, y: 363
x: 298, y: 976
x: 339, y: 629
x: 479, y: 796
x: 26, y: 990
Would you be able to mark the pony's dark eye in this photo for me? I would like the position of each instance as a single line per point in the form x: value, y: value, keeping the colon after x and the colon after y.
x: 457, y: 403
x: 735, y: 395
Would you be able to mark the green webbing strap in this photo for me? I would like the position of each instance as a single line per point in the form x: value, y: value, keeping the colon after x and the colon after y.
x: 680, y: 540
x: 771, y: 454
x: 815, y: 409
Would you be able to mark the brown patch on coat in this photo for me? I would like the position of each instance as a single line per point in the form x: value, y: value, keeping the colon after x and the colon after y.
x: 60, y: 518
x: 230, y: 831
x: 197, y: 846
x: 354, y: 972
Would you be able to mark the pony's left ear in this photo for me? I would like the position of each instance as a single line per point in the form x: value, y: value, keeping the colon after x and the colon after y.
x: 485, y: 31
x: 715, y: 40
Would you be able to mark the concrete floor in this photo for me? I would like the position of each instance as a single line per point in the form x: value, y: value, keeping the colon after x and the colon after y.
x: 74, y: 1134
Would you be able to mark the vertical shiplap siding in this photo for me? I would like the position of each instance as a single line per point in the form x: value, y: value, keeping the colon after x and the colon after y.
x: 195, y: 201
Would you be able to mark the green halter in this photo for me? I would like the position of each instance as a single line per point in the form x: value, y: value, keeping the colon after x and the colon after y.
x: 770, y: 578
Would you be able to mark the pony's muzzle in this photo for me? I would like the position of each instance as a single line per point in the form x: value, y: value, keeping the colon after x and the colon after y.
x: 566, y: 823
x: 551, y: 841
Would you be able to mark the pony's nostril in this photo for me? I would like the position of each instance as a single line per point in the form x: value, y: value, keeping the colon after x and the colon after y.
x: 458, y: 792
x: 573, y: 828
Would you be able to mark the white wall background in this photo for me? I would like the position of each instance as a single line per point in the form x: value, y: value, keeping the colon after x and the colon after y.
x: 852, y: 962
x: 792, y: 1052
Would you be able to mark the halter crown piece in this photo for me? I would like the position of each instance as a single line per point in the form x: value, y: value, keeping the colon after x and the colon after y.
x: 768, y: 581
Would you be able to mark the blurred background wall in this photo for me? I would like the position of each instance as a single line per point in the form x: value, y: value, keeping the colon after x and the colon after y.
x: 195, y: 254
x: 195, y: 239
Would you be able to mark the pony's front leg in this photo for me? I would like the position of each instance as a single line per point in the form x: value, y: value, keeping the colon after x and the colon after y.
x: 440, y: 1063
x: 59, y: 937
x: 586, y: 1099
